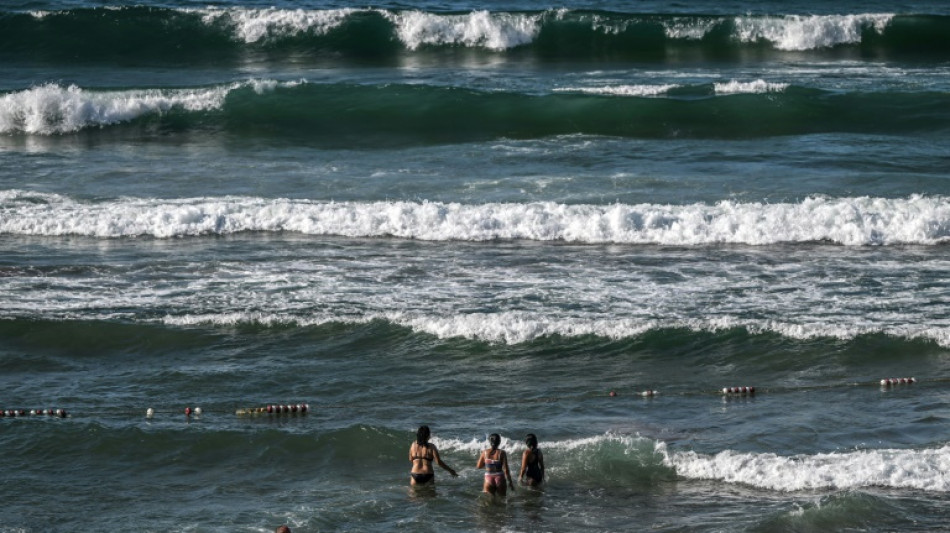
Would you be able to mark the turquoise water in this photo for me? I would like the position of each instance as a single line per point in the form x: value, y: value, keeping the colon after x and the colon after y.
x: 485, y: 218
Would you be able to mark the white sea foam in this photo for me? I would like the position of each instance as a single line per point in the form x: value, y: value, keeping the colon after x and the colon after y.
x: 849, y: 221
x: 753, y: 87
x: 903, y: 469
x: 495, y: 31
x: 808, y: 32
x: 53, y: 109
x: 622, y: 90
x: 689, y: 28
x: 252, y: 25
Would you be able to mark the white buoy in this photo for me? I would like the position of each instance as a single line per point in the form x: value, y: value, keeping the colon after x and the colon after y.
x: 149, y: 413
x: 889, y: 382
x: 739, y: 391
x: 197, y: 411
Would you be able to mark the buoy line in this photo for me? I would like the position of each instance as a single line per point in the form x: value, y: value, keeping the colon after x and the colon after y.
x: 291, y: 410
x: 20, y: 413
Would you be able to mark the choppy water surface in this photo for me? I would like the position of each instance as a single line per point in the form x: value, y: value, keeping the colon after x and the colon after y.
x: 484, y: 218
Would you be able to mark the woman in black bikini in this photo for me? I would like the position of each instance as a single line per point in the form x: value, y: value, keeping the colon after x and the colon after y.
x: 422, y: 453
x: 532, y: 462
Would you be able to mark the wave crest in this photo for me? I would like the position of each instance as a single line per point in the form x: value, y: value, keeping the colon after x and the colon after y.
x: 902, y: 469
x: 799, y: 32
x: 627, y: 458
x: 253, y: 25
x: 494, y: 31
x: 53, y: 109
x: 562, y: 32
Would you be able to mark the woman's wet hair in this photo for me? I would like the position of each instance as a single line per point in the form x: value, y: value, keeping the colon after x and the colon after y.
x: 531, y: 441
x: 494, y: 440
x: 422, y: 435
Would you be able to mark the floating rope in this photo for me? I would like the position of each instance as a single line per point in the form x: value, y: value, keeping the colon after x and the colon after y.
x: 299, y: 409
x: 291, y: 409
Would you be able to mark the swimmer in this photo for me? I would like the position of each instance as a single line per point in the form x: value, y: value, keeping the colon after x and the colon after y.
x: 421, y: 454
x: 495, y: 463
x: 532, y: 462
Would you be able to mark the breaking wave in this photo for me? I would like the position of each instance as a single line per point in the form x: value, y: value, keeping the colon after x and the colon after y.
x: 859, y: 221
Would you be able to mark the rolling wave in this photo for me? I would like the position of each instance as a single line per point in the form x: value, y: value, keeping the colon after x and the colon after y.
x: 515, y: 328
x: 215, y: 34
x: 387, y: 114
x: 860, y: 221
x: 625, y: 459
x: 609, y: 459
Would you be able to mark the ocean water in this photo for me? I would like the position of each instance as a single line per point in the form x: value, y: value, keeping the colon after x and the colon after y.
x: 486, y: 217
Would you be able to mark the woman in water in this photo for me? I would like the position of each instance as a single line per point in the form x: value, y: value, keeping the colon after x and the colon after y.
x: 532, y: 462
x: 495, y: 463
x: 422, y: 453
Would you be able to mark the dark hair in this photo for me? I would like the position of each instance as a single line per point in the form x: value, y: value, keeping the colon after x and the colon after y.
x: 422, y: 436
x: 531, y: 441
x: 494, y: 439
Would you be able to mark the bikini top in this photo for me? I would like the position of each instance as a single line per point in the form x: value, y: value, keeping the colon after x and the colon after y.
x: 493, y: 465
x: 427, y: 456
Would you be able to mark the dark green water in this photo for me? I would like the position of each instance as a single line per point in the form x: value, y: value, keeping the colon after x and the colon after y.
x: 484, y: 218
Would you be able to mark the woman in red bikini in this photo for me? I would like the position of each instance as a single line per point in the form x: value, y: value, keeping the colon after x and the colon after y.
x: 422, y: 453
x: 495, y: 463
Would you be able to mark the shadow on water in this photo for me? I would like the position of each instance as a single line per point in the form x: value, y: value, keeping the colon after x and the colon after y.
x: 422, y: 493
x: 521, y: 509
x: 492, y: 512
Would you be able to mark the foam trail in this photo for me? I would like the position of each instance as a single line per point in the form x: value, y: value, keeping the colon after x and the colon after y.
x: 623, y: 90
x: 515, y: 444
x: 750, y: 87
x: 903, y: 469
x: 849, y: 221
